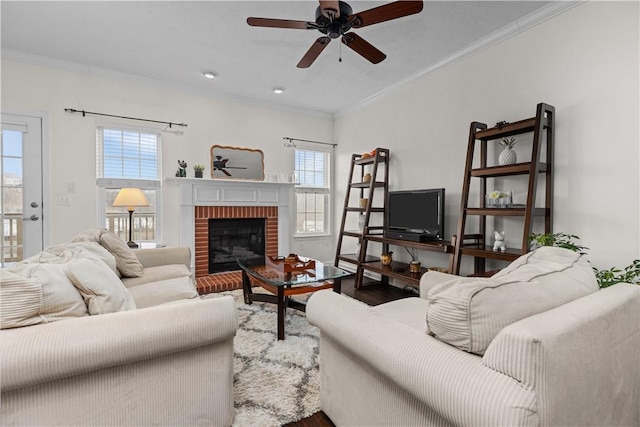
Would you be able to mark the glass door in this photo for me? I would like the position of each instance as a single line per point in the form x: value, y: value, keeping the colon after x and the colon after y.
x: 21, y: 184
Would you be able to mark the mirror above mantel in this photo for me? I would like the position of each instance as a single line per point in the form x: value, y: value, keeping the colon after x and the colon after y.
x: 229, y: 162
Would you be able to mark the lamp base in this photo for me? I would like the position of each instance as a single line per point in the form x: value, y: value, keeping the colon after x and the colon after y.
x: 133, y: 245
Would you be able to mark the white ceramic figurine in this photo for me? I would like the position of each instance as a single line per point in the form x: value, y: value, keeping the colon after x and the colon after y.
x: 499, y: 245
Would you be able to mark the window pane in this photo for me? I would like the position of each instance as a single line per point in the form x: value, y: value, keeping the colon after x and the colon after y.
x: 128, y: 154
x: 310, y: 217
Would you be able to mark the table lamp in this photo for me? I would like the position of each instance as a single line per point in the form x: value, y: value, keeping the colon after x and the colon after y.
x: 130, y: 198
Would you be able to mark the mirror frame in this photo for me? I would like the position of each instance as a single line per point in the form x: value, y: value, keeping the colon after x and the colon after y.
x: 244, y: 160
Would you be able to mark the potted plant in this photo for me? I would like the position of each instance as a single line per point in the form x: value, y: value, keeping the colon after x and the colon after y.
x: 507, y: 156
x: 605, y: 278
x: 198, y: 169
x: 498, y: 199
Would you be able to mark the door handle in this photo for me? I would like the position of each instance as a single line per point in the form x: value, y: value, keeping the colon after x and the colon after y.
x: 31, y: 218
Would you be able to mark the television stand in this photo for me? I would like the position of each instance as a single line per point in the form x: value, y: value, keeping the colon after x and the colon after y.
x: 399, y: 270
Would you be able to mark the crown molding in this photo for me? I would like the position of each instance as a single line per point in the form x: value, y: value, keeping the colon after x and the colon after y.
x: 521, y: 25
x: 74, y: 67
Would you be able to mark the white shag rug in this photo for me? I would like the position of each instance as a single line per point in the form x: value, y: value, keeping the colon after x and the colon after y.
x: 275, y: 382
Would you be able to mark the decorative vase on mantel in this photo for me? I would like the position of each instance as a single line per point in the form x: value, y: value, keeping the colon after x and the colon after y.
x: 507, y: 155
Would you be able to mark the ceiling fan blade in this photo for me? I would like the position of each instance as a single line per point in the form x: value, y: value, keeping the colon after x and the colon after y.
x: 330, y: 6
x: 386, y: 12
x: 280, y: 23
x: 316, y: 48
x: 363, y: 47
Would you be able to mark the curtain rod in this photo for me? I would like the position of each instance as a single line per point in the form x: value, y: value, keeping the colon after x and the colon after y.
x: 84, y: 113
x: 292, y: 144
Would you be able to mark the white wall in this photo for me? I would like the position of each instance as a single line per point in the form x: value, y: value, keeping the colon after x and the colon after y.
x: 585, y: 63
x: 32, y: 88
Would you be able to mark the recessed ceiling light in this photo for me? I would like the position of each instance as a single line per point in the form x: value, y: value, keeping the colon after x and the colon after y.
x: 278, y: 90
x: 210, y: 74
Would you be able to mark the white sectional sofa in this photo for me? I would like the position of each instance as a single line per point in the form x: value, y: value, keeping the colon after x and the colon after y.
x: 536, y: 345
x: 83, y: 347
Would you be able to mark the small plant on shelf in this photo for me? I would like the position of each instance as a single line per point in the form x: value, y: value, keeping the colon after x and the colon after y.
x: 198, y: 170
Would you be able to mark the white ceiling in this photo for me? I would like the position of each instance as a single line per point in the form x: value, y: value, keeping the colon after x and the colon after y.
x: 173, y: 42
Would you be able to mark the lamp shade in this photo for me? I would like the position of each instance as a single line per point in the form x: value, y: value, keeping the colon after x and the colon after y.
x: 130, y: 198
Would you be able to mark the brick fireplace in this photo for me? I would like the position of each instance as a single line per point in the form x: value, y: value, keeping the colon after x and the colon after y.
x: 202, y: 199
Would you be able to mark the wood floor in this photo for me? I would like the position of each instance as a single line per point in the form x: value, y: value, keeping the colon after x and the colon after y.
x: 373, y: 294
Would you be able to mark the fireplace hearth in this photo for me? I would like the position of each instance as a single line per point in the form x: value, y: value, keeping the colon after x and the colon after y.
x: 235, y: 239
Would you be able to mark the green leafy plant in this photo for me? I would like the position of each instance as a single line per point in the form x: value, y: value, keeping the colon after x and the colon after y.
x: 605, y: 278
x: 630, y: 274
x: 508, y: 142
x: 561, y: 240
x: 198, y: 167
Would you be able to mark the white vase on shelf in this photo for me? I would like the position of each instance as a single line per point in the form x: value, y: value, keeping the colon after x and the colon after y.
x: 507, y: 157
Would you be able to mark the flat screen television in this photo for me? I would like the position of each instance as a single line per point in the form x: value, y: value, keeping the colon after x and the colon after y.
x: 416, y: 215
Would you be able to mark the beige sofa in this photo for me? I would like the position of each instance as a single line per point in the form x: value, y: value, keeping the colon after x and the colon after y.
x: 538, y: 344
x: 165, y: 357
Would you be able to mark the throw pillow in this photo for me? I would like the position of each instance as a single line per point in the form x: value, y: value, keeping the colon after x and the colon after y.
x: 86, y: 249
x: 126, y: 261
x: 102, y: 290
x: 20, y: 300
x: 60, y: 299
x: 468, y: 312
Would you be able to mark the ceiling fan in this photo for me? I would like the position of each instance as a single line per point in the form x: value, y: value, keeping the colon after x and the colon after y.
x: 335, y: 19
x: 220, y: 164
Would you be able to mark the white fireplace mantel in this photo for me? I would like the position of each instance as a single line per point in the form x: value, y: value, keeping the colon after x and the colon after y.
x: 230, y: 192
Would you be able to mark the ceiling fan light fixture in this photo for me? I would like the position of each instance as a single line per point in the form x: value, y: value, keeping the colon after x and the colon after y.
x: 278, y: 90
x: 210, y: 74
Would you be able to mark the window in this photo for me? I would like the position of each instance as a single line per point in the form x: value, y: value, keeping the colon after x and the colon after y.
x: 129, y: 158
x: 312, y: 194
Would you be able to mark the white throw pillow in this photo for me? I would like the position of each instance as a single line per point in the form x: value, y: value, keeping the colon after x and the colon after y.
x: 60, y: 299
x: 468, y: 312
x: 20, y: 300
x: 102, y: 290
x: 126, y: 261
x: 90, y: 249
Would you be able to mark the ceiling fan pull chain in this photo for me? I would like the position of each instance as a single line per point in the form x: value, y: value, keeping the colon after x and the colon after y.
x: 340, y: 56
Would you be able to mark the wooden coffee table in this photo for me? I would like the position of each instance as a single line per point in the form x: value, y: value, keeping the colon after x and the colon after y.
x: 283, y: 284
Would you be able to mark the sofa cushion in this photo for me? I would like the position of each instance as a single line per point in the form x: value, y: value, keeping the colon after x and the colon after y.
x: 163, y: 291
x: 60, y: 299
x: 20, y: 300
x: 410, y: 311
x: 160, y: 272
x: 83, y: 250
x: 469, y: 312
x: 126, y: 261
x: 102, y: 290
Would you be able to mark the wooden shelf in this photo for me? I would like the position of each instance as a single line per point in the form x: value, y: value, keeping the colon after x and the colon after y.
x: 353, y: 258
x: 364, y: 210
x: 541, y: 165
x: 366, y: 184
x: 434, y: 246
x: 488, y: 252
x: 507, y: 170
x: 515, y: 128
x: 506, y: 211
x: 397, y: 270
